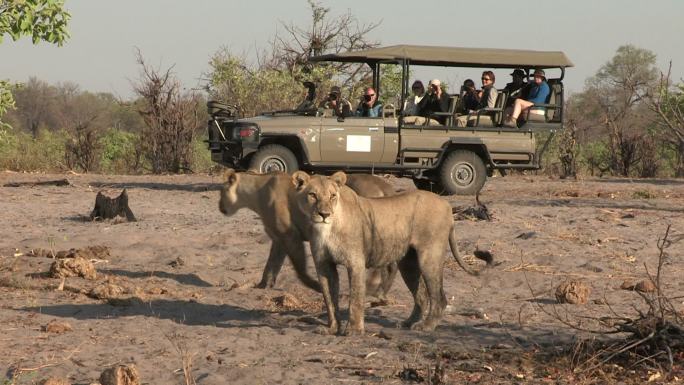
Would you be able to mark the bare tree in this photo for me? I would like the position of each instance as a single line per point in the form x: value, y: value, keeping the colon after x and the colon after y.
x: 618, y: 90
x: 171, y: 118
x: 668, y: 104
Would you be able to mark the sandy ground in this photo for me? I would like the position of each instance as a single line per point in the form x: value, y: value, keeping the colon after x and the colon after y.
x: 187, y: 272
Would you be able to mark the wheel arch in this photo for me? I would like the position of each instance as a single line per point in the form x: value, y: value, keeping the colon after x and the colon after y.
x: 474, y: 145
x: 291, y: 142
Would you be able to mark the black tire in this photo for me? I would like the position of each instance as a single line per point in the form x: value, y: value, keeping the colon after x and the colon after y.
x: 463, y: 173
x: 274, y: 157
x: 428, y: 185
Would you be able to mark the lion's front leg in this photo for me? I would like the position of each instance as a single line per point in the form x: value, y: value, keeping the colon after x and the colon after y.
x: 357, y: 297
x: 276, y: 258
x: 330, y: 288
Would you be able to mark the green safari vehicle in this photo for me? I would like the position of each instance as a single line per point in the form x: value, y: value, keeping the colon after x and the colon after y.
x: 444, y: 158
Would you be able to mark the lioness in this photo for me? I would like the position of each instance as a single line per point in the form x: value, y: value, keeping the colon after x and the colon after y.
x: 412, y: 229
x: 271, y: 196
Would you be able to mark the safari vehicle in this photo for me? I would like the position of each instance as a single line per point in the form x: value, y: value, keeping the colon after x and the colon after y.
x: 441, y: 158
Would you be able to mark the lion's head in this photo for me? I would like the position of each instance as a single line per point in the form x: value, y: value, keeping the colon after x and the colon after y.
x: 318, y: 196
x: 229, y: 202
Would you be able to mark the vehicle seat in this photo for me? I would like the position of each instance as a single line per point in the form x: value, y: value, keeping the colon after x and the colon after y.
x: 388, y: 111
x: 490, y: 117
x: 454, y: 105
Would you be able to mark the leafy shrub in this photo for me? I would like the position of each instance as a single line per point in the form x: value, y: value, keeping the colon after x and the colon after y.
x: 20, y: 151
x: 120, y: 152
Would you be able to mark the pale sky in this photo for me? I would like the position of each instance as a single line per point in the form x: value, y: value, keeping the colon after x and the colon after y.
x: 99, y: 56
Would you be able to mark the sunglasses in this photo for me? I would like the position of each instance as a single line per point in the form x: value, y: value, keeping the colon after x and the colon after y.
x: 370, y: 95
x: 486, y: 79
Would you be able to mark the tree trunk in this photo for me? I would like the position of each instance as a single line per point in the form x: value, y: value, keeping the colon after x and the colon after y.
x: 679, y: 169
x: 109, y: 208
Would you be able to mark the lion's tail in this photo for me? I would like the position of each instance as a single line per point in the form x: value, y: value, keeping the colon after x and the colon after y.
x: 453, y: 244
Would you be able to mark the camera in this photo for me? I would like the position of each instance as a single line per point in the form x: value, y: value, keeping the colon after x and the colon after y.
x: 367, y: 97
x: 333, y: 96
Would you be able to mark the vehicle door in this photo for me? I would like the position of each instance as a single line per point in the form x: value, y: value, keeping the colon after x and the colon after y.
x: 352, y: 140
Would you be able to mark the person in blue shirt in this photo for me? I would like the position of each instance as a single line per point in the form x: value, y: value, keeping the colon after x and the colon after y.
x: 538, y: 94
x: 369, y: 106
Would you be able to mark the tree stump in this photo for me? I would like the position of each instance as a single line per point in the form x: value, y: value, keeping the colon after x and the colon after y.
x: 109, y: 208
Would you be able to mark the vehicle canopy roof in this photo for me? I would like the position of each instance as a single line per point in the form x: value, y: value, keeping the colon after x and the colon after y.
x: 453, y: 57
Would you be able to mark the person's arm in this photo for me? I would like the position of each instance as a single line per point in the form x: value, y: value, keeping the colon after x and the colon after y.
x: 491, y: 99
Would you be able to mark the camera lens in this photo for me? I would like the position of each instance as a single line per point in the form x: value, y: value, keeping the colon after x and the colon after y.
x: 333, y: 96
x: 367, y: 97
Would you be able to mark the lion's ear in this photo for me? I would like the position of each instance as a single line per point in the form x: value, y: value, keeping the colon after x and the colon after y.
x: 339, y: 177
x: 300, y: 179
x: 230, y: 177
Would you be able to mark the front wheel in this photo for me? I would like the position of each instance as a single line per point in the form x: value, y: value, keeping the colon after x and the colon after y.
x: 463, y: 173
x: 274, y: 157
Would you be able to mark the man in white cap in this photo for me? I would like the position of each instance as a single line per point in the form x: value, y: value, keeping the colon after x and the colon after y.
x: 436, y: 100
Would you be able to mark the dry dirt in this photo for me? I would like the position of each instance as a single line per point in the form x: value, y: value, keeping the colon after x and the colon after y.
x: 174, y: 289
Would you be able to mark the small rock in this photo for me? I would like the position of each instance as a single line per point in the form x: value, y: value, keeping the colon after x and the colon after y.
x: 573, y: 292
x: 106, y: 291
x: 627, y: 285
x: 120, y: 375
x: 57, y: 327
x: 177, y: 262
x: 645, y: 286
x: 527, y: 235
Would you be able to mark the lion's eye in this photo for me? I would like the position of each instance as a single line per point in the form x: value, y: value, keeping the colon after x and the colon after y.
x: 333, y: 196
x: 312, y: 195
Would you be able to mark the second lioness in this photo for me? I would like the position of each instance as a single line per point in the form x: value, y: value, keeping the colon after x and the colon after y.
x: 412, y: 229
x: 271, y: 196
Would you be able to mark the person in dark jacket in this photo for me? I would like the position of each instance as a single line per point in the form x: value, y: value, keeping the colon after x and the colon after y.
x: 436, y: 100
x: 518, y: 88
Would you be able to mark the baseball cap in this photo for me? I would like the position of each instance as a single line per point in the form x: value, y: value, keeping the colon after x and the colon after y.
x: 335, y: 90
x: 540, y: 72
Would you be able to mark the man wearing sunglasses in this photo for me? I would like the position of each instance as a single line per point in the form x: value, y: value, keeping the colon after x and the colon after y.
x: 369, y: 106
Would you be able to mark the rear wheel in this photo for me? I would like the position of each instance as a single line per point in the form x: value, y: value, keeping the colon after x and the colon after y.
x: 274, y: 157
x: 463, y: 173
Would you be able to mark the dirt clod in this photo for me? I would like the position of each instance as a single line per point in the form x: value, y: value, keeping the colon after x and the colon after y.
x: 286, y: 302
x: 120, y: 375
x: 573, y: 292
x: 106, y: 291
x: 57, y: 327
x: 645, y: 286
x: 73, y: 267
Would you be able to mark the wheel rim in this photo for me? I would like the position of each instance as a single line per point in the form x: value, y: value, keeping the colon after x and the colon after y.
x: 273, y: 164
x: 463, y: 174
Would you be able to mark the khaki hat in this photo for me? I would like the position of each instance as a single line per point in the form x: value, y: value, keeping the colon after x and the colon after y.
x: 435, y: 82
x: 540, y: 72
x: 335, y: 90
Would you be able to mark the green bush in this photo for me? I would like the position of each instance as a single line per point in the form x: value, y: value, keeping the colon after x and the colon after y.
x: 119, y: 152
x: 19, y: 151
x: 201, y: 156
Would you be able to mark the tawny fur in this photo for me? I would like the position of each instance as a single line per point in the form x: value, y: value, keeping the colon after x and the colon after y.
x: 271, y: 197
x: 411, y: 229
